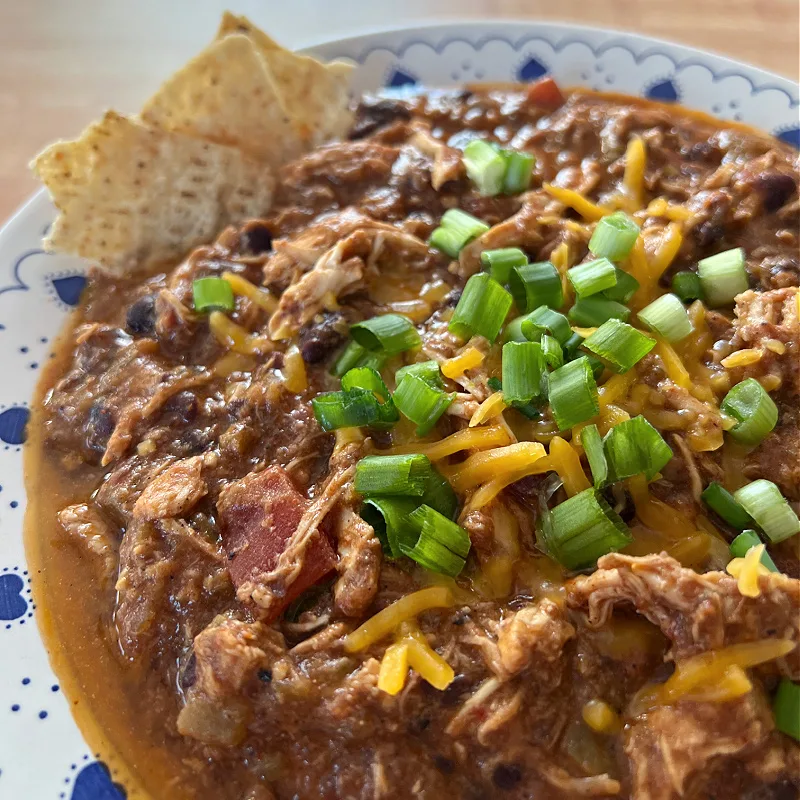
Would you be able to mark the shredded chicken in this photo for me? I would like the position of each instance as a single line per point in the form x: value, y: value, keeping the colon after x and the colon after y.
x: 87, y: 526
x: 447, y: 161
x: 359, y: 564
x: 173, y: 492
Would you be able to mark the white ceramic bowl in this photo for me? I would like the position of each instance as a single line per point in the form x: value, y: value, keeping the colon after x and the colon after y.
x: 42, y: 753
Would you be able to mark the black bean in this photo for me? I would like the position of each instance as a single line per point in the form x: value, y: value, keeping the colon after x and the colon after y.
x: 444, y: 764
x: 99, y: 426
x: 707, y: 234
x: 452, y: 695
x: 506, y: 776
x: 319, y: 339
x: 776, y: 187
x: 256, y: 239
x: 265, y: 675
x: 374, y: 114
x: 188, y: 674
x: 141, y: 317
x: 184, y: 406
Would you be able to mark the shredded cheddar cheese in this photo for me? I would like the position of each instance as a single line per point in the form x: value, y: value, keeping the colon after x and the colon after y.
x: 425, y: 661
x: 747, y: 571
x: 561, y: 259
x: 674, y: 366
x: 390, y: 618
x: 731, y: 684
x: 394, y: 668
x: 485, y: 466
x: 742, y: 358
x: 233, y: 362
x: 775, y: 345
x: 601, y: 717
x: 615, y: 388
x: 243, y: 288
x: 466, y: 439
x: 469, y: 358
x: 486, y: 493
x: 576, y: 201
x: 294, y: 371
x: 633, y: 178
x: 235, y: 337
x: 660, y: 207
x: 493, y: 405
x: 566, y: 463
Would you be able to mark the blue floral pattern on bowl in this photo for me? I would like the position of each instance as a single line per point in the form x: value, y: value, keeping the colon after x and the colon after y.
x: 43, y: 755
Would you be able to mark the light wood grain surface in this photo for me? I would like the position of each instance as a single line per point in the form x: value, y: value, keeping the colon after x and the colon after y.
x: 63, y: 61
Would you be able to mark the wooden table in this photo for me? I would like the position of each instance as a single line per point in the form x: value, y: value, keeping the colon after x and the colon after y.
x: 62, y: 63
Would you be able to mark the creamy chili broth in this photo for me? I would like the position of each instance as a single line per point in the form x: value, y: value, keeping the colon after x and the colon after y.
x: 147, y: 620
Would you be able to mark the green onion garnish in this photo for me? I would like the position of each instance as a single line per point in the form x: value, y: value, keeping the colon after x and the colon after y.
x: 573, y: 393
x: 582, y: 529
x: 435, y: 542
x: 486, y: 167
x: 388, y: 516
x: 406, y: 476
x: 557, y: 325
x: 667, y: 317
x: 354, y: 355
x: 723, y: 276
x: 456, y: 230
x: 634, y: 446
x: 523, y: 367
x: 370, y: 380
x: 389, y: 334
x: 592, y: 444
x: 422, y: 403
x: 753, y: 409
x: 724, y: 505
x: 439, y: 495
x: 591, y: 312
x: 212, y: 294
x: 352, y: 409
x: 449, y: 242
x: 614, y: 237
x: 427, y: 370
x: 499, y: 262
x: 482, y: 308
x: 571, y: 347
x: 619, y: 344
x: 534, y: 285
x: 518, y: 171
x: 626, y: 287
x: 553, y: 354
x: 686, y: 285
x: 592, y: 277
x: 763, y: 501
x: 747, y: 540
x: 786, y: 708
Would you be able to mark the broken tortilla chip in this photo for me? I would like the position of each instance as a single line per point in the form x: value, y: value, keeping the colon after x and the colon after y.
x: 314, y: 94
x: 227, y: 95
x: 132, y: 196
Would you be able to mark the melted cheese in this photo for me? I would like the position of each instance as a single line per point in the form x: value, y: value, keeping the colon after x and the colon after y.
x: 567, y: 464
x: 576, y: 201
x: 635, y: 164
x: 486, y: 466
x: 469, y: 358
x: 488, y: 409
x: 747, y: 571
x: 466, y: 439
x: 394, y: 668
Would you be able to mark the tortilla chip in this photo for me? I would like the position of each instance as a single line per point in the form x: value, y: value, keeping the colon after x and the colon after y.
x: 314, y: 94
x: 145, y: 196
x: 227, y: 95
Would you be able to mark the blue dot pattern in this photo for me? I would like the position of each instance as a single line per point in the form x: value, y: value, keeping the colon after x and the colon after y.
x: 791, y: 136
x: 69, y: 289
x: 94, y: 783
x: 666, y: 91
x: 12, y: 604
x: 12, y: 424
x: 531, y: 70
x: 399, y: 77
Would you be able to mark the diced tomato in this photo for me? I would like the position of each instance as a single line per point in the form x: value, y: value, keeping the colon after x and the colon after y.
x: 258, y: 515
x: 546, y: 94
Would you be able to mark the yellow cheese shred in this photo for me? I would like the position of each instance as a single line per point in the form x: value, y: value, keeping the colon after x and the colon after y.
x: 425, y: 661
x: 394, y: 668
x: 466, y: 439
x: 747, y: 571
x: 455, y: 367
x: 566, y: 463
x: 576, y: 201
x: 486, y: 493
x: 294, y: 373
x: 742, y: 358
x: 390, y: 618
x: 615, y: 388
x: 635, y: 163
x: 561, y: 258
x: 601, y: 717
x: 482, y: 467
x: 235, y: 337
x: 673, y: 365
x: 660, y: 207
x: 493, y: 405
x: 242, y: 287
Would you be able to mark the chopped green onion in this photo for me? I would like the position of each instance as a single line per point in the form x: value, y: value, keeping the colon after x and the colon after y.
x: 495, y: 384
x: 614, y: 237
x: 482, y: 308
x: 420, y: 402
x: 352, y: 409
x: 744, y: 542
x: 437, y: 543
x: 456, y: 230
x: 573, y: 393
x: 370, y: 379
x: 571, y: 346
x: 553, y: 354
x: 763, y: 501
x: 406, y: 475
x: 499, y: 262
x: 634, y: 446
x: 723, y: 276
x: 513, y: 331
x: 485, y: 166
x: 591, y: 312
x: 686, y: 285
x: 427, y: 370
x: 786, y: 708
x: 753, y: 409
x: 518, y: 171
x: 354, y: 355
x: 523, y: 367
x: 439, y: 495
x: 598, y: 367
x: 592, y: 277
x: 582, y: 529
x: 528, y: 410
x: 389, y: 334
x: 449, y: 242
x: 592, y: 444
x: 534, y: 285
x: 667, y: 317
x: 619, y: 344
x: 626, y: 287
x: 724, y: 505
x: 212, y: 294
x: 388, y: 518
x: 556, y: 324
